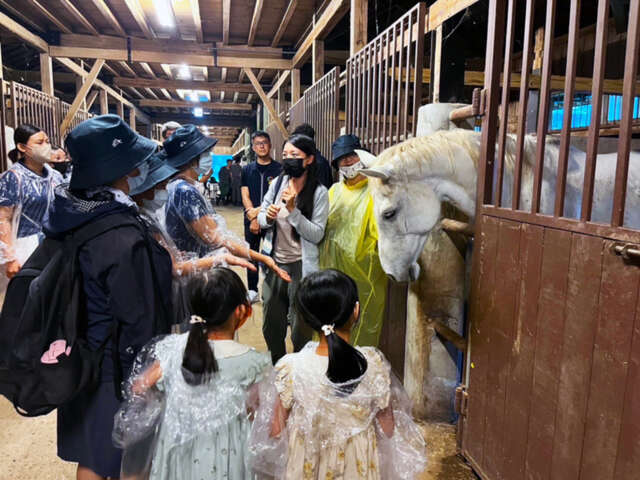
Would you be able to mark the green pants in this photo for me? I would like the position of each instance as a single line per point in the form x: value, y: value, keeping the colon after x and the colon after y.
x: 279, y: 312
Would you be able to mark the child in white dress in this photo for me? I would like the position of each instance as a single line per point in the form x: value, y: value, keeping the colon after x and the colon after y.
x: 189, y: 400
x: 332, y: 411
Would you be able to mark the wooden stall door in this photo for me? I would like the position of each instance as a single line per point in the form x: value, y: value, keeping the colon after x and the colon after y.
x: 554, y: 373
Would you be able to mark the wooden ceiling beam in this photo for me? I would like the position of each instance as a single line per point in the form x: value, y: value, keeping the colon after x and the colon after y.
x: 255, y: 20
x: 125, y: 66
x: 147, y: 68
x: 77, y: 14
x: 267, y: 102
x: 106, y: 12
x: 331, y: 15
x: 141, y: 82
x: 286, y: 19
x: 21, y: 16
x: 14, y: 27
x: 166, y: 93
x: 151, y: 93
x: 110, y: 69
x: 195, y: 12
x: 184, y: 104
x: 226, y: 20
x: 138, y: 15
x: 51, y: 17
x: 89, y: 80
x: 278, y: 84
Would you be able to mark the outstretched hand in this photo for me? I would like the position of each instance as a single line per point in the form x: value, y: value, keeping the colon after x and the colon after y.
x: 239, y: 262
x: 271, y: 264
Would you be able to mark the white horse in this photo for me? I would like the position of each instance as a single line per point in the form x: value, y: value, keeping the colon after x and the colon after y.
x: 412, y: 179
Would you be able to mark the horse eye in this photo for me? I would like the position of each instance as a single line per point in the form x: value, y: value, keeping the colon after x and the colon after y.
x: 389, y: 214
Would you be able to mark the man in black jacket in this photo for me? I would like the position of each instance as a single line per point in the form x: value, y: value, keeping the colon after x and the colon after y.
x: 325, y: 174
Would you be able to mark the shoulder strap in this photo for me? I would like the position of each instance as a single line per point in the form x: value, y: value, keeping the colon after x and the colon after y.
x: 103, y: 224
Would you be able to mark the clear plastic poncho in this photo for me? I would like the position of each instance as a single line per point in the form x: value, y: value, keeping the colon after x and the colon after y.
x: 169, y: 429
x: 351, y: 245
x: 363, y: 429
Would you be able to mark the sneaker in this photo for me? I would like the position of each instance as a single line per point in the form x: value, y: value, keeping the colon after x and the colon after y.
x: 253, y: 297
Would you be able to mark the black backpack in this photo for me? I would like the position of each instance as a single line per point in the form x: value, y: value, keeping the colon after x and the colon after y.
x: 44, y: 302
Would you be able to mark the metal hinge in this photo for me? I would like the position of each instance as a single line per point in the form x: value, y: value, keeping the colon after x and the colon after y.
x: 628, y: 251
x: 461, y: 400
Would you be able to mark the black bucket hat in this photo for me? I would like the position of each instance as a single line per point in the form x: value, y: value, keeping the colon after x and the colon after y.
x: 187, y: 143
x: 159, y: 171
x: 344, y: 145
x: 104, y: 149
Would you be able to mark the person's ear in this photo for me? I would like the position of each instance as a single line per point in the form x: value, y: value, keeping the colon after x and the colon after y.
x: 242, y: 313
x: 21, y: 147
x: 356, y: 313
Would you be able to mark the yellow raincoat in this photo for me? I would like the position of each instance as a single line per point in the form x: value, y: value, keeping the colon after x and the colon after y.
x: 351, y: 245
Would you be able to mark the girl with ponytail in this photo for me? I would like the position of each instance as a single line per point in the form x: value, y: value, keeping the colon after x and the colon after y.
x: 190, y: 398
x: 333, y: 410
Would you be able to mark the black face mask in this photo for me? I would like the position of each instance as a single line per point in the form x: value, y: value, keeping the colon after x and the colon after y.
x: 62, y: 167
x: 293, y: 167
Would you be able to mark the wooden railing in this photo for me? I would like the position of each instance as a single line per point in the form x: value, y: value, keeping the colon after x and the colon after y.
x: 322, y: 110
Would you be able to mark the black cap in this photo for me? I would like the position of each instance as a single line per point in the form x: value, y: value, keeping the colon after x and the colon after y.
x: 344, y: 145
x: 104, y: 149
x: 185, y: 144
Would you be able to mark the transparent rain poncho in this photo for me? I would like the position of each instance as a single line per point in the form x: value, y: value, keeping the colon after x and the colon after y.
x: 351, y: 245
x: 335, y: 431
x: 192, y: 222
x: 169, y: 429
x: 25, y: 197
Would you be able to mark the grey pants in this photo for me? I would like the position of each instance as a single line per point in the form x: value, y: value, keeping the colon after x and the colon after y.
x: 279, y: 312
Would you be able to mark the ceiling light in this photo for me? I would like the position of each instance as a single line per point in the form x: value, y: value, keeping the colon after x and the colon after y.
x: 197, y: 112
x: 184, y: 72
x: 164, y: 13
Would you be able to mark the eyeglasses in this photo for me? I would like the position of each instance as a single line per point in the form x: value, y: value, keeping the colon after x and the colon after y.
x: 261, y: 144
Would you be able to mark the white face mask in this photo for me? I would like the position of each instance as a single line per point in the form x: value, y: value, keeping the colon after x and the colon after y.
x: 135, y: 182
x: 40, y: 153
x: 352, y: 171
x: 160, y: 197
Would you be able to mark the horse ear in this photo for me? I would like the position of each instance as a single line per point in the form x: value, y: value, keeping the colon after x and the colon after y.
x: 368, y: 159
x: 382, y: 172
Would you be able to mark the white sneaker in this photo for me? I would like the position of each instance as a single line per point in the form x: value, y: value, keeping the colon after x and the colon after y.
x: 253, y: 296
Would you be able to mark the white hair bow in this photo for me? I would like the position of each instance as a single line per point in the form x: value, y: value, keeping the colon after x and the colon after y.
x: 196, y: 319
x: 328, y: 330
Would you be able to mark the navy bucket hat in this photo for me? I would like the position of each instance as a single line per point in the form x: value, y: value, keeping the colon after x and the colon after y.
x: 187, y: 143
x: 344, y: 145
x: 159, y: 171
x: 104, y: 149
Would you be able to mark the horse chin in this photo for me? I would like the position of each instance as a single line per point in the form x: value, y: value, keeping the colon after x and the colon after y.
x: 414, y: 272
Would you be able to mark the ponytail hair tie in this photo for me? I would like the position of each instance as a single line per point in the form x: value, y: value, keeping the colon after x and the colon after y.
x: 328, y: 330
x: 196, y: 319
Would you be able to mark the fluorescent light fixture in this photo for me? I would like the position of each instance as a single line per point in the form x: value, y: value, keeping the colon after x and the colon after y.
x: 198, y: 112
x: 164, y: 13
x: 184, y: 72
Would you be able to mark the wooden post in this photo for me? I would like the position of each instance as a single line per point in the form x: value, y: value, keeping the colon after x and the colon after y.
x: 295, y: 85
x: 318, y: 60
x: 132, y: 118
x: 104, y: 102
x: 46, y: 74
x: 91, y: 98
x: 437, y: 61
x: 359, y: 17
x: 534, y: 95
x: 81, y: 96
x: 120, y: 110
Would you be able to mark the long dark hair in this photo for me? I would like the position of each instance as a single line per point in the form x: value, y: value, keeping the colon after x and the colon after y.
x: 213, y: 296
x: 22, y: 134
x: 304, y: 202
x: 328, y: 298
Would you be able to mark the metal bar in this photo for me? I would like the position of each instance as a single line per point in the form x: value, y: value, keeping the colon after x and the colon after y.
x: 336, y: 105
x: 545, y: 101
x: 392, y: 89
x: 367, y: 102
x: 569, y: 90
x: 348, y: 98
x: 399, y: 99
x: 522, y: 106
x: 418, y: 65
x: 628, y: 101
x: 495, y: 45
x: 405, y: 113
x: 599, y: 65
x: 504, y: 121
x: 387, y: 44
x: 379, y: 94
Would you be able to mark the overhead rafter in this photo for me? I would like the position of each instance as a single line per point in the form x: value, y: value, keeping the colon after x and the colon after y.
x: 138, y: 15
x: 195, y: 12
x: 169, y: 52
x: 91, y: 98
x: 106, y: 12
x: 81, y: 96
x: 147, y: 68
x: 110, y: 69
x: 278, y: 84
x: 136, y: 92
x: 21, y: 16
x: 152, y: 93
x: 51, y: 17
x: 267, y: 102
x: 141, y: 82
x: 166, y: 93
x: 185, y: 104
x: 331, y: 15
x: 14, y: 27
x: 71, y: 8
x: 223, y: 79
x: 226, y: 20
x: 125, y: 66
x: 255, y: 20
x: 288, y: 15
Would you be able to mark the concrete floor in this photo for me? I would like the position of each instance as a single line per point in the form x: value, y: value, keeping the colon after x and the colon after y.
x: 28, y: 445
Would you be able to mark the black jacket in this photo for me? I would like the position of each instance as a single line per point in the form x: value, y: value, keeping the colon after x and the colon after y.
x: 325, y: 173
